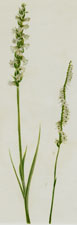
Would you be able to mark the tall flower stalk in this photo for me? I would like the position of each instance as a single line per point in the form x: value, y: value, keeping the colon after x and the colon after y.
x: 20, y: 42
x: 60, y: 125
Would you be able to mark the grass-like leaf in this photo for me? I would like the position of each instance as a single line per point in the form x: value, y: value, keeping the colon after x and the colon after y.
x: 21, y: 165
x: 32, y: 166
x: 16, y: 174
x: 30, y: 178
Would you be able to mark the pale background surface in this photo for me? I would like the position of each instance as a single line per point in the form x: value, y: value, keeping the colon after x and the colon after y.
x: 53, y: 39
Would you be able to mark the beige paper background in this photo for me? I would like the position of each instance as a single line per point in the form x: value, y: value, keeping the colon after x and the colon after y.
x: 53, y: 40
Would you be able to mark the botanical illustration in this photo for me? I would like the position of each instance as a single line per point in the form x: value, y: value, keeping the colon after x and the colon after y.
x: 38, y: 181
x: 18, y: 63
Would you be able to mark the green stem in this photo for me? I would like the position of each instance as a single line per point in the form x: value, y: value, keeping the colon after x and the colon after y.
x: 19, y: 128
x: 54, y: 185
x: 27, y: 211
x: 20, y: 153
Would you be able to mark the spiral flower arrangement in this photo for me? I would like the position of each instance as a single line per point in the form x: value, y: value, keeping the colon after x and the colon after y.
x: 60, y: 125
x: 20, y: 42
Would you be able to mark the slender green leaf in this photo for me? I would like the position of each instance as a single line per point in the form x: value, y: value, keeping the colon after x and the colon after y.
x: 16, y: 174
x: 24, y: 156
x: 21, y: 165
x: 33, y: 165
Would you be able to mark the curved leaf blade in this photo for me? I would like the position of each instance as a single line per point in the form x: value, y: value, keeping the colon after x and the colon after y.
x: 16, y: 174
x: 33, y: 165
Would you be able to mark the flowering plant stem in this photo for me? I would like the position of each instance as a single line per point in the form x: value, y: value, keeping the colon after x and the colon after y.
x: 19, y: 126
x: 60, y: 124
x: 20, y: 153
x: 18, y: 63
x: 54, y: 185
x: 24, y: 188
